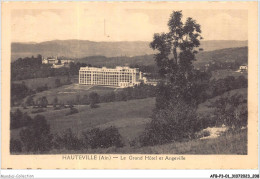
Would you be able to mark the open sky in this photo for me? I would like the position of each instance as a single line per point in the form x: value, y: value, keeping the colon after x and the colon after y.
x: 36, y: 25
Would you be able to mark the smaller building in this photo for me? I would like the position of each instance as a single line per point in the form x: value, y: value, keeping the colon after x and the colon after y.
x: 243, y: 68
x: 56, y: 60
x: 50, y: 60
x: 65, y: 61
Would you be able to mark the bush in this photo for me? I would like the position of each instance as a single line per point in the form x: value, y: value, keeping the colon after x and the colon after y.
x: 93, y: 99
x: 104, y: 138
x: 231, y: 111
x: 36, y: 137
x: 42, y: 88
x: 72, y: 111
x: 175, y: 123
x: 68, y: 140
x: 15, y: 146
x: 19, y: 119
x: 55, y: 102
x: 57, y: 83
x: 29, y: 101
x: 42, y: 102
x: 203, y: 133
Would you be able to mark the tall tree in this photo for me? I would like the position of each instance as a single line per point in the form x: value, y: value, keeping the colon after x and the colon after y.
x: 175, y: 116
x: 93, y: 99
x: 176, y: 52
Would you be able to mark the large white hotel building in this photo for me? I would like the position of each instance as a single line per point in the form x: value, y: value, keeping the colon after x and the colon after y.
x: 119, y: 76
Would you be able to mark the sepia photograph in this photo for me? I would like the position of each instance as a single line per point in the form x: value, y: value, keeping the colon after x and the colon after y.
x: 118, y: 79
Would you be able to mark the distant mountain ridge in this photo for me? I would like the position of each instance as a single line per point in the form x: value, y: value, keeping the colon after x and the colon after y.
x: 238, y: 54
x: 84, y: 48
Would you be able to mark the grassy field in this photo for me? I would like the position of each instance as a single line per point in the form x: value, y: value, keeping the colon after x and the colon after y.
x: 129, y: 117
x: 50, y: 81
x: 71, y: 92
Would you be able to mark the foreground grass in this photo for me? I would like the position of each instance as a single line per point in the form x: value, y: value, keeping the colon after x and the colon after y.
x: 230, y: 143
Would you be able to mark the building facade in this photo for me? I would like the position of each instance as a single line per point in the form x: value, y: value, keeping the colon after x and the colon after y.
x: 118, y: 77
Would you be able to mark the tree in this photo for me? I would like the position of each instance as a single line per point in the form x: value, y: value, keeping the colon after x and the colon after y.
x: 68, y: 140
x: 93, y: 99
x: 105, y: 138
x: 175, y: 123
x: 42, y: 102
x: 29, y: 101
x: 55, y: 102
x: 57, y: 83
x: 175, y: 118
x: 176, y: 51
x: 18, y: 92
x: 19, y: 119
x: 36, y: 137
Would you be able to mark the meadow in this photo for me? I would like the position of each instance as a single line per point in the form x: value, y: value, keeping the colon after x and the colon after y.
x: 50, y: 81
x: 69, y: 93
x: 129, y: 117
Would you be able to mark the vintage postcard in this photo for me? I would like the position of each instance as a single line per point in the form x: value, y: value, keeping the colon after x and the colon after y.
x: 129, y: 85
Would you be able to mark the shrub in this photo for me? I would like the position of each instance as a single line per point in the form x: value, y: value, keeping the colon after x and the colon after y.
x: 175, y: 123
x: 57, y: 83
x: 93, y: 99
x: 55, y: 102
x: 72, y: 111
x: 231, y: 111
x: 203, y: 133
x: 104, y: 138
x: 36, y: 137
x: 29, y: 101
x: 15, y: 146
x: 19, y: 119
x: 68, y: 140
x: 42, y: 102
x: 42, y: 88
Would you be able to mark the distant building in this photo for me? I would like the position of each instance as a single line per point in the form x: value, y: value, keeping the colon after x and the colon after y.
x: 119, y: 76
x: 243, y: 68
x: 64, y: 61
x: 50, y: 60
x: 56, y: 62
